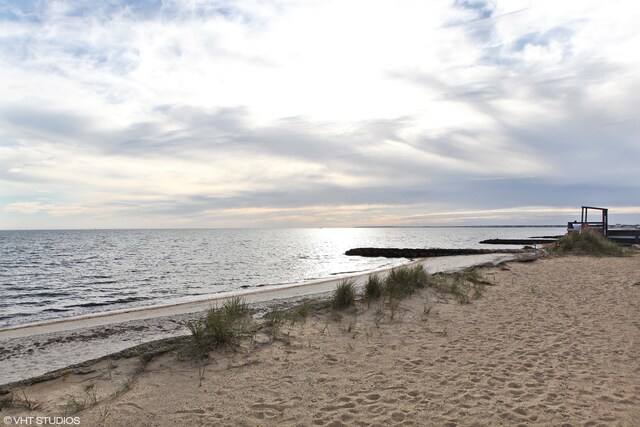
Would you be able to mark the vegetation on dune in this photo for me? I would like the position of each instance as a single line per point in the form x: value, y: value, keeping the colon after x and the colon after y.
x: 228, y: 324
x: 404, y: 281
x: 344, y: 295
x: 373, y: 288
x: 587, y: 242
x: 464, y: 286
x: 221, y: 325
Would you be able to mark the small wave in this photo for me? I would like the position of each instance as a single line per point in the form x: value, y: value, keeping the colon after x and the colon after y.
x: 105, y: 303
x: 347, y: 272
x: 40, y: 295
x: 106, y: 282
x: 14, y: 315
x: 31, y: 303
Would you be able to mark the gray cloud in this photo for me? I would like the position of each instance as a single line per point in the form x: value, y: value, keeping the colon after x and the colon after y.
x: 181, y: 111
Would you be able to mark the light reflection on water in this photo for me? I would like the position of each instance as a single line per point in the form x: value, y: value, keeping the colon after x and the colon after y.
x: 51, y: 274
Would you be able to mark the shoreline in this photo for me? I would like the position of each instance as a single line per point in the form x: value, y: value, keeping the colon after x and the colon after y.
x: 64, y: 342
x: 549, y: 342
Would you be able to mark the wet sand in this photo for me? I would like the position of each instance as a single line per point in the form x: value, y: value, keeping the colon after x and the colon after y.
x: 552, y: 342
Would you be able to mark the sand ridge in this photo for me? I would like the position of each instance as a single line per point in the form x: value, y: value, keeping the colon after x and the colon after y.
x: 553, y: 342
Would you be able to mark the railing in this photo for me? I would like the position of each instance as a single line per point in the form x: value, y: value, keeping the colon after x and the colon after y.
x: 628, y: 236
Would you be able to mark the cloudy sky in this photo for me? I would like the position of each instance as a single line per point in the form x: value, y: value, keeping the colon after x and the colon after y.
x: 252, y: 113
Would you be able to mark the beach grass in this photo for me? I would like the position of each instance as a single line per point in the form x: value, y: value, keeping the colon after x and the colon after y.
x: 344, y: 295
x: 404, y: 281
x: 221, y: 325
x: 373, y: 288
x: 300, y: 312
x: 587, y: 242
x: 274, y: 321
x: 464, y: 286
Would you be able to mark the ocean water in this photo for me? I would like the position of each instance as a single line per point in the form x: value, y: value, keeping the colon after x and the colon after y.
x: 61, y: 273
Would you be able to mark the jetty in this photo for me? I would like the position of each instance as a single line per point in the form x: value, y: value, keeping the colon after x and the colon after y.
x: 416, y: 253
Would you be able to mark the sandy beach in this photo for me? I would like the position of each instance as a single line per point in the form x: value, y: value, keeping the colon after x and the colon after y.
x: 550, y: 342
x: 31, y: 350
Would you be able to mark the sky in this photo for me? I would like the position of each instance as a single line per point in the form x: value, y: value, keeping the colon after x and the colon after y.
x: 286, y: 113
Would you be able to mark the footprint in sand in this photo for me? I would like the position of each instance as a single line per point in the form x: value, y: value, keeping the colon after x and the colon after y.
x: 373, y: 397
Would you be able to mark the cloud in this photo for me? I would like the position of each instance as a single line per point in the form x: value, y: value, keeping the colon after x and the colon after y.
x: 214, y: 113
x: 25, y: 207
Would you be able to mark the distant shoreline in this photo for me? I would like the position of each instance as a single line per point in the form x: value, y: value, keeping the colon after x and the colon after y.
x: 283, y: 228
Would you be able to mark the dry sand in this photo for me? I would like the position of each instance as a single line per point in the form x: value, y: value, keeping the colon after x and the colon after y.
x: 553, y: 342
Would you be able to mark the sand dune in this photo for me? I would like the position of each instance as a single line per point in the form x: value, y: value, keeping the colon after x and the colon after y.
x: 553, y: 342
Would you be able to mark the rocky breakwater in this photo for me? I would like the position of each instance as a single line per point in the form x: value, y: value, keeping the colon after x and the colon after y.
x: 423, y: 253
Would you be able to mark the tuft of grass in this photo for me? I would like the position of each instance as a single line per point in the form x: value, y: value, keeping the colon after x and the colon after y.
x: 221, y: 325
x: 373, y: 288
x: 29, y: 403
x: 352, y: 329
x: 426, y: 309
x: 201, y: 371
x: 275, y: 320
x: 478, y: 290
x: 219, y: 328
x: 394, y: 305
x: 198, y: 334
x: 236, y: 308
x: 91, y: 394
x: 300, y: 312
x: 404, y: 281
x: 344, y: 295
x: 104, y: 413
x: 458, y: 292
x: 587, y: 242
x: 463, y: 286
x: 124, y: 387
x: 303, y: 311
x: 74, y: 404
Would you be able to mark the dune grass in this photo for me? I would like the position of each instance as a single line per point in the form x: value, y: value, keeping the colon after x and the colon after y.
x: 228, y: 324
x: 344, y: 295
x: 221, y: 325
x: 373, y: 288
x: 404, y: 281
x: 464, y: 286
x: 274, y: 321
x: 587, y: 242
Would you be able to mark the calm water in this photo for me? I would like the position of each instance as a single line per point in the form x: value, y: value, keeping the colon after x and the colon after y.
x: 53, y: 274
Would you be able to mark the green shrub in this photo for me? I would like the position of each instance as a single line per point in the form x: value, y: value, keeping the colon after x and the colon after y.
x: 344, y: 295
x: 587, y: 242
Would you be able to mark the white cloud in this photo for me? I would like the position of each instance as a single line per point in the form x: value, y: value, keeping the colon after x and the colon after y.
x: 25, y: 207
x: 157, y: 108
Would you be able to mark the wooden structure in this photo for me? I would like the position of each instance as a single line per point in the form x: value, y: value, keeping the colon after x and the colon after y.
x: 602, y: 225
x: 627, y: 235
